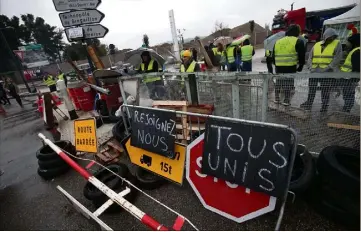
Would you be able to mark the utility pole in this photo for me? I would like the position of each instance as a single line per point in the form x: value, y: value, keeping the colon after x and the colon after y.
x: 16, y: 60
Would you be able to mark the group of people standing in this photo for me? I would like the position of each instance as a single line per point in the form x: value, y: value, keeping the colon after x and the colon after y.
x: 7, y: 86
x: 288, y: 56
x: 231, y: 57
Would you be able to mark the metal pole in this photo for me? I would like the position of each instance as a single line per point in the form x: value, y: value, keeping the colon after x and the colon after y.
x: 18, y: 65
x: 264, y: 98
x: 88, y: 56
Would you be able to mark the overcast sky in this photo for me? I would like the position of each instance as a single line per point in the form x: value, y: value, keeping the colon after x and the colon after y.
x: 128, y: 20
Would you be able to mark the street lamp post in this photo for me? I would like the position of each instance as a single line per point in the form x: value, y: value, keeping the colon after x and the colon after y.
x: 19, y: 66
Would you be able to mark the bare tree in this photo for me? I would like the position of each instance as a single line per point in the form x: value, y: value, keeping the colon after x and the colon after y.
x: 220, y: 27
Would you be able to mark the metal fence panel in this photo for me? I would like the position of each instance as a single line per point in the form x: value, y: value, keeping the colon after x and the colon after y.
x: 256, y: 101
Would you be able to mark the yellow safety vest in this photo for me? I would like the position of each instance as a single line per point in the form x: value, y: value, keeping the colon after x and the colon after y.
x: 268, y: 53
x: 61, y: 76
x: 347, y: 66
x: 50, y: 81
x: 324, y: 58
x: 190, y: 68
x: 230, y: 55
x: 285, y: 51
x: 150, y: 68
x: 247, y: 51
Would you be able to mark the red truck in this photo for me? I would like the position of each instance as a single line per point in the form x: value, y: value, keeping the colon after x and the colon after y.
x: 310, y: 22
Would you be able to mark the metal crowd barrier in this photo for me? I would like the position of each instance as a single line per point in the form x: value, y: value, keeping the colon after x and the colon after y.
x: 251, y: 96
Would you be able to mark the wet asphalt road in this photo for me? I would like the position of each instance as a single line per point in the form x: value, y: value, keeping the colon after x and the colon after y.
x: 29, y: 203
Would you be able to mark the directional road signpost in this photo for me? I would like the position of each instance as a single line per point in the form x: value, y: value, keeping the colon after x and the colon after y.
x: 80, y: 17
x: 65, y: 5
x: 89, y: 31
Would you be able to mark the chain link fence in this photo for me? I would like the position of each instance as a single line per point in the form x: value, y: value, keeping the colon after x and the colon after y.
x: 323, y: 109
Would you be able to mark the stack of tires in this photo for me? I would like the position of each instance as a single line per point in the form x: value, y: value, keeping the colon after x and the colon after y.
x: 50, y: 163
x: 113, y: 182
x: 336, y: 189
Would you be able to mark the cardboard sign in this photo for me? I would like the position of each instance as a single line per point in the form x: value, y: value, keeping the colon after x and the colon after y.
x: 85, y: 135
x: 253, y: 156
x: 171, y: 169
x: 154, y: 131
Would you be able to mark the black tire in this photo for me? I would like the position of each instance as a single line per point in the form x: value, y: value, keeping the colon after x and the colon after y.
x: 48, y: 174
x: 46, y: 153
x: 54, y: 163
x: 303, y: 170
x: 118, y: 131
x: 339, y: 167
x: 113, y: 182
x: 115, y: 208
x: 333, y: 204
x: 148, y: 180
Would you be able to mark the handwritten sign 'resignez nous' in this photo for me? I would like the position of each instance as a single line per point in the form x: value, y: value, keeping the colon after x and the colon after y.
x: 154, y: 131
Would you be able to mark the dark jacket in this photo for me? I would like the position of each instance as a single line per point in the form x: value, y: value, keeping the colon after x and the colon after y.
x: 301, y: 52
x: 196, y: 67
x: 155, y: 68
x: 355, y: 61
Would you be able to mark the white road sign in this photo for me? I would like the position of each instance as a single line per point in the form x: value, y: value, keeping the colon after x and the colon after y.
x: 75, y: 18
x: 90, y: 31
x: 75, y: 33
x: 64, y: 5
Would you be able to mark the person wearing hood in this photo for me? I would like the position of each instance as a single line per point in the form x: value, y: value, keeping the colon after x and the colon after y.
x: 150, y: 65
x: 351, y: 64
x: 245, y: 53
x: 287, y: 52
x: 325, y: 56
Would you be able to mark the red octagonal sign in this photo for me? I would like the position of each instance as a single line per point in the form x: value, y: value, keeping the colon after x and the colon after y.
x: 229, y: 200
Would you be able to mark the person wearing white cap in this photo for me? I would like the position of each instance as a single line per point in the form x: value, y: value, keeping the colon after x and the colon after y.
x: 325, y: 56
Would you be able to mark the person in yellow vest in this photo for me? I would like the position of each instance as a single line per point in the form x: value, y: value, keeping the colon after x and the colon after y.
x: 61, y: 76
x: 189, y: 65
x: 351, y: 64
x: 50, y: 82
x: 287, y: 53
x: 231, y: 56
x: 245, y: 53
x: 325, y: 56
x: 220, y: 56
x: 155, y: 84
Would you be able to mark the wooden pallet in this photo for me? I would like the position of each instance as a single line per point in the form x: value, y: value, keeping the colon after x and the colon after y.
x: 110, y: 152
x: 342, y: 120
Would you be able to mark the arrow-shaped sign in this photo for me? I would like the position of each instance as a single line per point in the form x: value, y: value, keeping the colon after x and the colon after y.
x: 64, y: 5
x: 90, y: 31
x: 75, y: 18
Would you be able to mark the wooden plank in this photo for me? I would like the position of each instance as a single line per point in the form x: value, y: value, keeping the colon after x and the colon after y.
x: 195, y: 127
x: 343, y: 126
x: 170, y: 103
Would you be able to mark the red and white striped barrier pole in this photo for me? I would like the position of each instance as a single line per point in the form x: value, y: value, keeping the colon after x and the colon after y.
x: 132, y: 209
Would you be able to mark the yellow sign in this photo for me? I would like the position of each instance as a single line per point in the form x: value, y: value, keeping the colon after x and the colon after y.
x: 171, y: 169
x: 85, y: 135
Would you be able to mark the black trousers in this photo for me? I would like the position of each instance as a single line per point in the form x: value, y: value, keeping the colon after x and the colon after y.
x: 285, y: 84
x: 4, y: 99
x: 348, y: 92
x: 52, y: 88
x: 155, y: 89
x: 326, y: 85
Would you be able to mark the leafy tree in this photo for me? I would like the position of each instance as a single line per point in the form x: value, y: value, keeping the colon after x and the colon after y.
x: 220, y: 29
x: 146, y: 40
